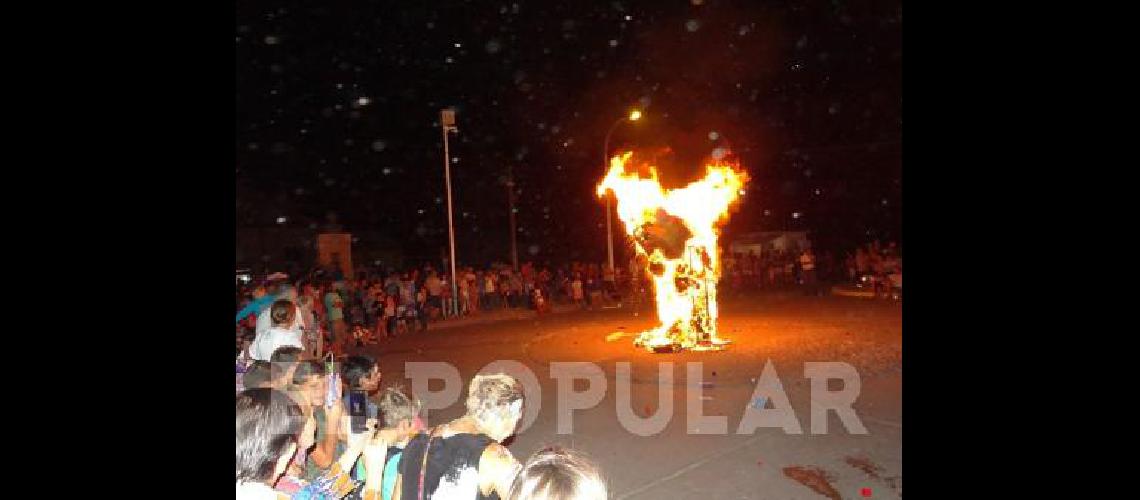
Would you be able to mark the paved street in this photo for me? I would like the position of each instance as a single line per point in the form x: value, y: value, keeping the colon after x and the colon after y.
x: 785, y: 328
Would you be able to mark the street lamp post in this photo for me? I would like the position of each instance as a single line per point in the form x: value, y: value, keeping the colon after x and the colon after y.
x: 633, y: 116
x: 447, y: 123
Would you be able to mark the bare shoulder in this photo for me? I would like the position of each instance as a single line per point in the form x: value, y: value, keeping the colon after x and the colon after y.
x: 496, y: 456
x: 497, y: 468
x: 497, y: 461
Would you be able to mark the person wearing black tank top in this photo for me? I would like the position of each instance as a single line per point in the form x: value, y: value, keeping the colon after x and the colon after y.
x: 463, y: 459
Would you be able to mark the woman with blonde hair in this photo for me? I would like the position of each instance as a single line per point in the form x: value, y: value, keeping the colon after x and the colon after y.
x: 558, y: 474
x: 464, y: 459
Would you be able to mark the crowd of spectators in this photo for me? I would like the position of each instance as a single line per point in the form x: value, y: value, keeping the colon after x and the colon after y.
x: 308, y: 429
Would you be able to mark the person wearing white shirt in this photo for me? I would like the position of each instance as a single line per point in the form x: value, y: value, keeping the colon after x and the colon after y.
x: 283, y: 331
x: 265, y: 322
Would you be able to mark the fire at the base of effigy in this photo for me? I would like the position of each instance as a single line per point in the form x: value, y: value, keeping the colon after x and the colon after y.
x: 675, y: 233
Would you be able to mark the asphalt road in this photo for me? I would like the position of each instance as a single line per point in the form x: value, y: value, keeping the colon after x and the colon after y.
x: 683, y: 460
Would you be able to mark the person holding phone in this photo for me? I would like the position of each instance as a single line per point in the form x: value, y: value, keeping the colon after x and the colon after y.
x: 362, y: 375
x: 309, y: 386
x: 271, y: 429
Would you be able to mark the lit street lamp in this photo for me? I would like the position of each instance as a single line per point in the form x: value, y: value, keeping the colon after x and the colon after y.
x: 633, y: 116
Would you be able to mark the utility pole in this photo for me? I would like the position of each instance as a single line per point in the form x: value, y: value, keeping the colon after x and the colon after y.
x: 447, y: 123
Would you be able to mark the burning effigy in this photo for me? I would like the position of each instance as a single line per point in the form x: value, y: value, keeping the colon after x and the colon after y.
x: 675, y: 231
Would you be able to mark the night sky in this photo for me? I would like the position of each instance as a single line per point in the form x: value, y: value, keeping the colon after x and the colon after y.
x: 338, y: 109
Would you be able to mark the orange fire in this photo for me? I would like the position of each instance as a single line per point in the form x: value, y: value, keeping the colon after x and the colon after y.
x: 676, y: 231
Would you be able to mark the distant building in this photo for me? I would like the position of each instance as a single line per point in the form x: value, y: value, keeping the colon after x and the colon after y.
x: 334, y: 250
x: 298, y: 250
x: 276, y: 248
x: 761, y: 242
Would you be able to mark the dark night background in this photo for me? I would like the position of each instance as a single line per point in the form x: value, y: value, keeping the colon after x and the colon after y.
x: 806, y: 94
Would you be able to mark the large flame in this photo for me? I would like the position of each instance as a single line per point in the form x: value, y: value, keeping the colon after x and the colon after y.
x: 676, y: 231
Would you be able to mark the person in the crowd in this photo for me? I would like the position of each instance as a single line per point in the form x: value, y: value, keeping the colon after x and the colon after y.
x: 334, y: 307
x: 309, y: 386
x: 356, y: 315
x: 489, y: 291
x: 516, y: 291
x: 448, y: 299
x: 245, y: 341
x: 284, y: 291
x: 375, y: 457
x: 300, y: 489
x: 544, y: 282
x: 261, y: 300
x: 807, y: 269
x: 258, y: 375
x: 541, y: 305
x: 270, y: 428
x: 419, y: 310
x: 472, y: 296
x: 434, y: 287
x: 333, y: 437
x: 463, y: 459
x: 360, y: 373
x: 282, y: 332
x: 558, y: 474
x: 407, y: 290
x: 504, y: 283
x: 391, y: 316
x: 320, y: 321
x: 577, y: 291
x: 464, y: 297
x: 307, y: 315
x: 283, y: 363
x: 609, y: 282
x: 590, y: 287
x: 358, y: 293
x: 241, y: 366
x: 372, y: 309
x: 401, y: 421
x: 379, y: 323
x: 310, y: 329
